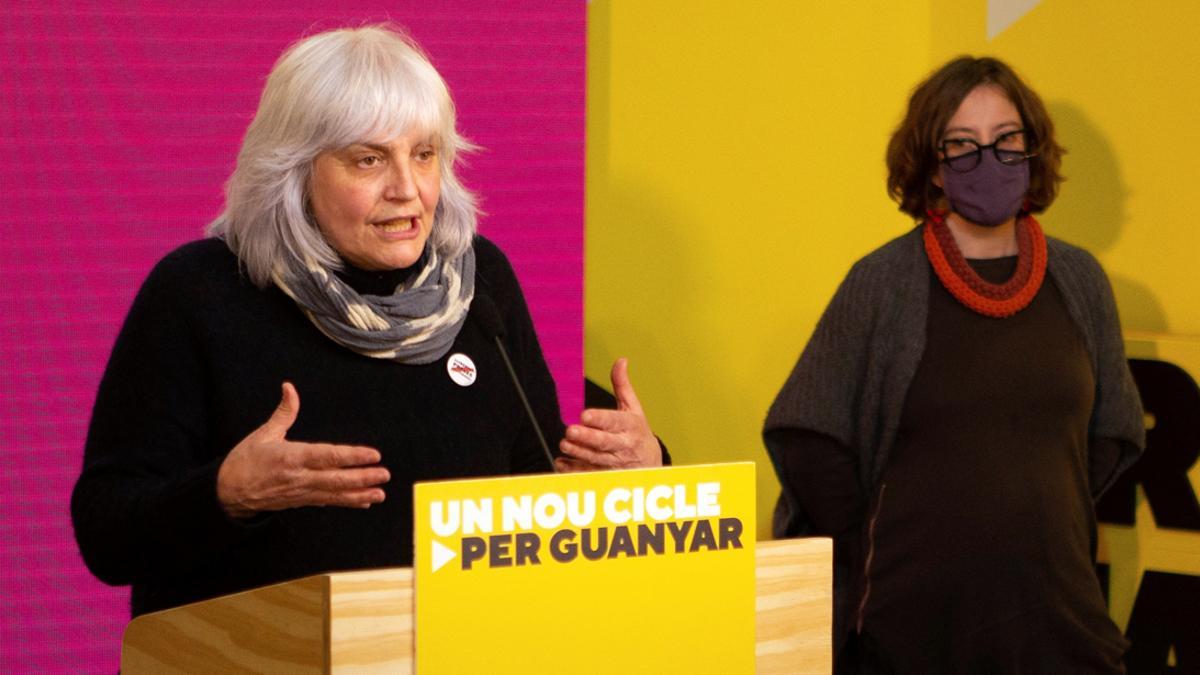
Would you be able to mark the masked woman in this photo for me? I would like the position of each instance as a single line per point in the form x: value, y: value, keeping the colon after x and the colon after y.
x: 963, y: 400
x: 345, y: 272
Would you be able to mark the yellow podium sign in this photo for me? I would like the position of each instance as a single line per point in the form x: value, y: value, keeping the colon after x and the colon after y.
x: 640, y: 571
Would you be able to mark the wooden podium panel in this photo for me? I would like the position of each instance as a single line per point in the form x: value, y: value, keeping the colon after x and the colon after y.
x: 793, y: 606
x: 362, y: 622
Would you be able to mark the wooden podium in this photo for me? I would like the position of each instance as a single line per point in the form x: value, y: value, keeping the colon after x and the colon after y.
x: 363, y: 622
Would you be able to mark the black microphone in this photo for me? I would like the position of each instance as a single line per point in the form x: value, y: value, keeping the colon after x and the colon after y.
x: 493, y: 327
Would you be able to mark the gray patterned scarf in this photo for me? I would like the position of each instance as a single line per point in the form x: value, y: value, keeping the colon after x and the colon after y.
x: 415, y: 325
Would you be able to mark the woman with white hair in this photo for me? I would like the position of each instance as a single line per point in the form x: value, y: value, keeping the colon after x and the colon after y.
x: 344, y: 270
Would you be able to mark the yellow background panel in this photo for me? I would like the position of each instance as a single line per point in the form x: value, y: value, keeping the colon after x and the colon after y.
x: 735, y: 172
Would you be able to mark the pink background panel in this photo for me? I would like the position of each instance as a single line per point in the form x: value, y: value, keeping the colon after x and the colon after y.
x: 119, y: 123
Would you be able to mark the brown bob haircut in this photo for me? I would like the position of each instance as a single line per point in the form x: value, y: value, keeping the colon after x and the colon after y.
x: 912, y: 155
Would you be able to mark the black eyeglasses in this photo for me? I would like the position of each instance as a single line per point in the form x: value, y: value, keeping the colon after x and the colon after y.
x: 963, y: 154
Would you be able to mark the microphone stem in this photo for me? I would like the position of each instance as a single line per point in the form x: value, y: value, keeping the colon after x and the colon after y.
x: 525, y: 401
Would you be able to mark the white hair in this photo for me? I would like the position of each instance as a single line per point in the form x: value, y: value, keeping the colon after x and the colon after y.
x: 326, y: 92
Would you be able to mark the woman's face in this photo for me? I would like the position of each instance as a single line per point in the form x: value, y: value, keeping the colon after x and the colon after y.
x: 983, y: 115
x: 374, y: 202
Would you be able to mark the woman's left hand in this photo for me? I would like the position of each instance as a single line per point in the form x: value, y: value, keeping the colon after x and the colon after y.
x: 611, y: 439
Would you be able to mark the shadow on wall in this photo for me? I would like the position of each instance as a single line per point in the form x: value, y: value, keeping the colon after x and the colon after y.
x: 1090, y: 209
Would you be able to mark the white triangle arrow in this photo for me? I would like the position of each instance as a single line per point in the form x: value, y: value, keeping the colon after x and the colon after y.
x: 441, y: 555
x: 1003, y: 13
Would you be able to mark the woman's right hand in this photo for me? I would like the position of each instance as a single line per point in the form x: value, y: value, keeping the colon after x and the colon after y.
x: 267, y: 472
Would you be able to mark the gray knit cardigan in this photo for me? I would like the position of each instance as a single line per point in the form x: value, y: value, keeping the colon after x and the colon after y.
x: 851, y: 381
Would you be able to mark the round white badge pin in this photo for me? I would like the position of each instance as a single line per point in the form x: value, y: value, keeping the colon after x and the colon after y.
x: 461, y: 369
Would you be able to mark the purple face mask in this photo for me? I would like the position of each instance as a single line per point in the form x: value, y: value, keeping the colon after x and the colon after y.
x: 989, y: 194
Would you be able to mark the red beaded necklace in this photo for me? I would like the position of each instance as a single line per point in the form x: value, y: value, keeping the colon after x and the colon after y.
x: 977, y: 294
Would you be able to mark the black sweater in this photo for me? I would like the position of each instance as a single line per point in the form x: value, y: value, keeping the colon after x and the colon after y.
x: 198, y: 365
